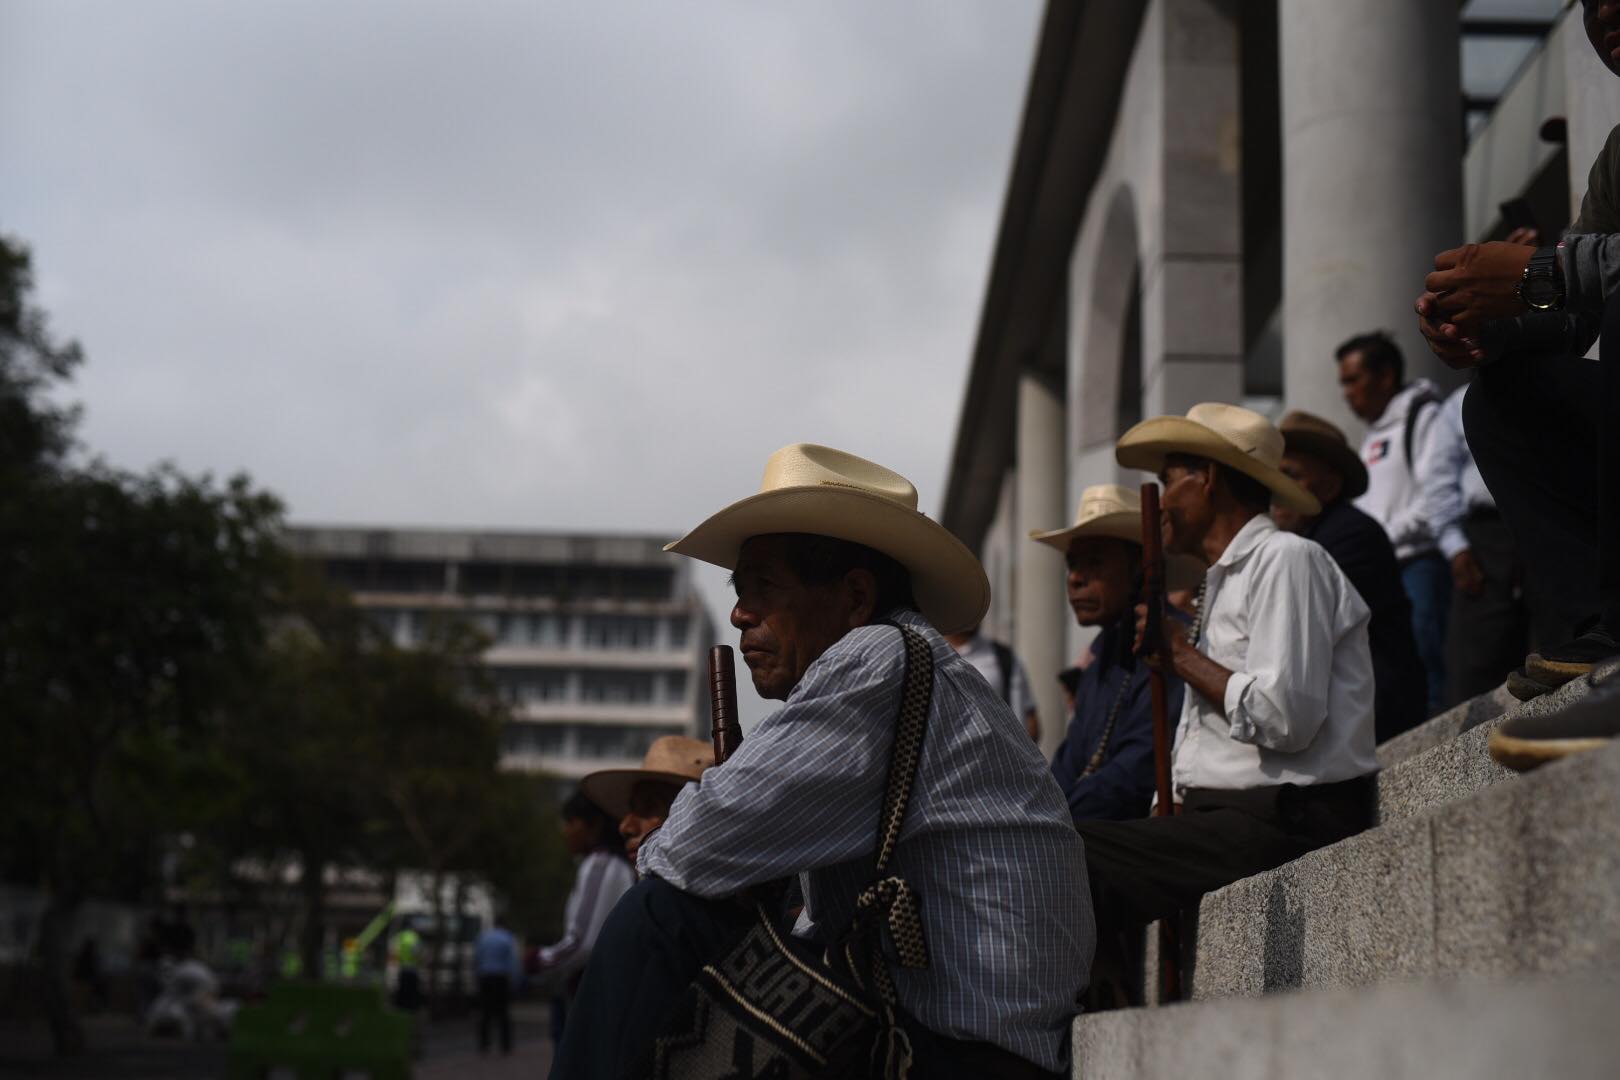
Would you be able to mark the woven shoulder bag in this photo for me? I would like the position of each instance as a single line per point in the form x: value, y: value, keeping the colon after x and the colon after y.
x: 780, y: 1008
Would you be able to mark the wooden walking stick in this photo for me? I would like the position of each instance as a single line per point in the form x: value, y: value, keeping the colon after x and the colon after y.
x: 1155, y: 650
x: 727, y: 733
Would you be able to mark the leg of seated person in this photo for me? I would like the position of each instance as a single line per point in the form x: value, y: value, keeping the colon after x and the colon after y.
x: 1530, y: 429
x: 1608, y: 485
x: 653, y: 944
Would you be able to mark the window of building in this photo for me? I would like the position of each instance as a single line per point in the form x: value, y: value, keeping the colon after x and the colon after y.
x: 616, y: 687
x: 679, y: 627
x: 620, y: 631
x: 675, y: 687
x: 532, y: 686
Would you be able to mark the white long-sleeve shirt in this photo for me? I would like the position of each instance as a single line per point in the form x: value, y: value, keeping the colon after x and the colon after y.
x: 603, y: 877
x: 1283, y: 618
x: 1394, y: 492
x: 1452, y: 486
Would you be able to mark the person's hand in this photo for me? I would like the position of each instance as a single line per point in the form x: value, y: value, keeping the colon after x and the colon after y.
x: 1478, y: 282
x: 1443, y: 338
x: 1528, y: 235
x: 1174, y: 634
x: 1466, y: 573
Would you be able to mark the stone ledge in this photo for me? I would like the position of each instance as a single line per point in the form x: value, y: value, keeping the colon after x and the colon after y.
x: 1560, y: 1026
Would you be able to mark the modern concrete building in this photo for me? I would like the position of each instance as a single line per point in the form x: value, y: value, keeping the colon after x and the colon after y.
x: 1206, y: 197
x: 599, y: 641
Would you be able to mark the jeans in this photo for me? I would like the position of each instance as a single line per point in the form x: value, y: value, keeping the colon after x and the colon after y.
x: 1427, y: 580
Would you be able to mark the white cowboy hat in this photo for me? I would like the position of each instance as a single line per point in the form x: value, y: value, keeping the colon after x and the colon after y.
x: 816, y: 489
x: 1233, y: 436
x: 1112, y: 510
x: 673, y: 759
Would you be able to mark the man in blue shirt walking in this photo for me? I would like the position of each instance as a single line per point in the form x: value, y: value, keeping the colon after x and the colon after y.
x: 495, y: 959
x: 1105, y: 764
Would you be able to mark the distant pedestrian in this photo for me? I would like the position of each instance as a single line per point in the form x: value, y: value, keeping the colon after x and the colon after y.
x: 1400, y: 416
x: 1003, y: 670
x: 495, y: 959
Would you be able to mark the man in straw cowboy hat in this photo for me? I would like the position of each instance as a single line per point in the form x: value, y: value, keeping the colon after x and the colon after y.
x: 1317, y: 456
x: 639, y: 799
x: 1105, y: 764
x: 828, y: 549
x: 1274, y: 748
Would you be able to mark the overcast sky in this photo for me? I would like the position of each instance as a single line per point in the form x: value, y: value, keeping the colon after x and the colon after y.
x: 545, y: 266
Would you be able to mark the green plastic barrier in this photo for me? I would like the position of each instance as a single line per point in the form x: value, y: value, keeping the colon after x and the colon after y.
x: 320, y: 1031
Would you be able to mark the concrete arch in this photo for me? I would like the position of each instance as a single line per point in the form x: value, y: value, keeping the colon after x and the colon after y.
x: 1108, y: 325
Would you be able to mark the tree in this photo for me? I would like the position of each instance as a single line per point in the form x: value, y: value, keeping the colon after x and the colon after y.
x: 130, y: 608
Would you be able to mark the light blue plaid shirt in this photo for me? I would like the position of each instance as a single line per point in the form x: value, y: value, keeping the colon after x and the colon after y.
x: 987, y: 842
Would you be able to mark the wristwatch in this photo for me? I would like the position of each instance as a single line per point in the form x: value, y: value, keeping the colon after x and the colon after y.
x: 1542, y: 287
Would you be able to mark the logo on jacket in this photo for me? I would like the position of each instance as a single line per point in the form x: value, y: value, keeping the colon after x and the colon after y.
x: 1378, y: 451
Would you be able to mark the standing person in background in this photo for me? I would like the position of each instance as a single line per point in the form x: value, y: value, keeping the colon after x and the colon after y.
x: 1317, y: 456
x: 495, y: 959
x: 605, y: 874
x: 407, y: 947
x: 1490, y: 624
x: 1003, y: 670
x: 1105, y: 765
x: 1400, y: 416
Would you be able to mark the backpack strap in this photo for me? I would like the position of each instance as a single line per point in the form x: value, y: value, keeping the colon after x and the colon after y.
x: 1419, y: 403
x: 1005, y: 661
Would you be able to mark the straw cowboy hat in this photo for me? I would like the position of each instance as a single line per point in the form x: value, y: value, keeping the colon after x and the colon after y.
x: 1306, y: 433
x: 1233, y: 436
x: 673, y: 759
x: 1111, y: 510
x: 815, y: 489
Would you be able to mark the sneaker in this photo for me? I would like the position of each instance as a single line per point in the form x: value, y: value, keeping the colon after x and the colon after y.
x: 1557, y: 666
x: 1524, y: 742
x: 1523, y: 687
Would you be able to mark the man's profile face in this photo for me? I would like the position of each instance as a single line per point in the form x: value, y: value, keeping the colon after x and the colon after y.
x: 1315, y: 476
x: 650, y: 801
x: 1366, y: 390
x: 1602, y: 19
x: 1102, y: 572
x: 785, y: 623
x: 1185, y: 507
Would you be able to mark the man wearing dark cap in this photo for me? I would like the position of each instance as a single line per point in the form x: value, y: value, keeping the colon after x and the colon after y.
x: 1318, y: 457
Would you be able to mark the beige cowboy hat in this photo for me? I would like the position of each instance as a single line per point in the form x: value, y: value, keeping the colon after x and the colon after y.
x: 673, y: 759
x: 1307, y: 433
x: 1239, y: 438
x: 1111, y: 510
x: 816, y: 489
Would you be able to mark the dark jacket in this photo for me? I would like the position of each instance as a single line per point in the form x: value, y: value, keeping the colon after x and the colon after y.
x: 1363, y: 551
x: 1122, y: 787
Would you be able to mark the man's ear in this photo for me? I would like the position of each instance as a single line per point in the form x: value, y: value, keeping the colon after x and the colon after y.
x: 861, y: 592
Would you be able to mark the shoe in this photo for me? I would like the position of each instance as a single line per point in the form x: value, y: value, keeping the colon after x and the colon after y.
x: 1573, y: 659
x: 1589, y: 723
x: 1523, y: 687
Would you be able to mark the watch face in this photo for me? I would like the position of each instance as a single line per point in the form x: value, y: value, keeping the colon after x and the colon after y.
x: 1540, y: 292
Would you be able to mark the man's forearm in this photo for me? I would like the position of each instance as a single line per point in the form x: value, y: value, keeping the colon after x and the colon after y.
x: 1201, y: 673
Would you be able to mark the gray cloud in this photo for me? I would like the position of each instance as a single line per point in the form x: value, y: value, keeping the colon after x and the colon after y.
x: 558, y: 266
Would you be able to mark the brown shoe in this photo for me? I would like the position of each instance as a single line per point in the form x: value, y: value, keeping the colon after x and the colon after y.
x: 1591, y: 722
x: 1558, y: 665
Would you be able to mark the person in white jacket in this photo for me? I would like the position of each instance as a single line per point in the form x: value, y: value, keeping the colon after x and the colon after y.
x: 1400, y: 417
x: 604, y: 875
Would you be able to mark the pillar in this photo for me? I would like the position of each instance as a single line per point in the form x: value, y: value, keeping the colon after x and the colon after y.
x: 1040, y: 610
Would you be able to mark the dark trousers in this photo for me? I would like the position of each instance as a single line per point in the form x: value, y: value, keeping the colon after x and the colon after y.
x: 1427, y: 581
x: 1151, y: 868
x: 1489, y: 632
x: 653, y: 944
x: 1542, y: 429
x: 495, y: 1006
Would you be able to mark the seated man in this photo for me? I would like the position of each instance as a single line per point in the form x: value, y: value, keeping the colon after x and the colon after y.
x: 639, y: 799
x: 829, y: 549
x: 1275, y: 742
x: 1318, y: 457
x: 1105, y: 764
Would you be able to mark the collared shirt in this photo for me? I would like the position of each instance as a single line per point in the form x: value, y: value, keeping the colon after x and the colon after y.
x: 980, y: 651
x: 496, y: 953
x: 603, y: 877
x: 987, y: 841
x: 1283, y: 618
x: 1452, y: 486
x: 1393, y: 495
x: 1122, y: 786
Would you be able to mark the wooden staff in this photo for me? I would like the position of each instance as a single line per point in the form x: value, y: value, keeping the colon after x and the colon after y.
x: 1154, y: 649
x: 726, y: 731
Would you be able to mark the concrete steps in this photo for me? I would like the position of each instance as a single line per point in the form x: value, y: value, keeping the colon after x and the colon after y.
x: 1561, y: 1026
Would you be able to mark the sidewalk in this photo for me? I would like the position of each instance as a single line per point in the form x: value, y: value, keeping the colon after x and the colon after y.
x: 451, y: 1050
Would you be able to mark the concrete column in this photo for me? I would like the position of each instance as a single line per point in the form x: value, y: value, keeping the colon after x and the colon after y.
x: 1040, y: 612
x: 1372, y: 179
